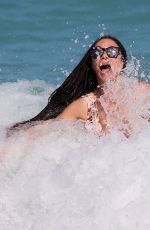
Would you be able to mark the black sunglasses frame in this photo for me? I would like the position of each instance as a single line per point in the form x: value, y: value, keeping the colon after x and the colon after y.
x: 111, y: 51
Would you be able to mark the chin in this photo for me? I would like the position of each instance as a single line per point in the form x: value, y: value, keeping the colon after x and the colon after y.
x: 104, y: 77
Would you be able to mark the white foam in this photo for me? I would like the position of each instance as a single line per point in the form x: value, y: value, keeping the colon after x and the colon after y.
x: 61, y: 177
x: 23, y: 99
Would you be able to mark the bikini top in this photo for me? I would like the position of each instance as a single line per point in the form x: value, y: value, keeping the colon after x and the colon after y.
x: 92, y: 123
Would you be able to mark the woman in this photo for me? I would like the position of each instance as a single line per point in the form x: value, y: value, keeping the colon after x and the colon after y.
x: 105, y: 59
x: 79, y: 96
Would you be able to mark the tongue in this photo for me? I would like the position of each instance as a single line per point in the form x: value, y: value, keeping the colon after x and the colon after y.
x: 105, y: 71
x: 105, y: 68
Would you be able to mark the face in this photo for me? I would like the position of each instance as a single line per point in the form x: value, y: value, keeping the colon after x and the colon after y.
x: 104, y: 66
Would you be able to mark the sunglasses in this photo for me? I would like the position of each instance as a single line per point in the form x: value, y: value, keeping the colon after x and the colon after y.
x: 111, y: 52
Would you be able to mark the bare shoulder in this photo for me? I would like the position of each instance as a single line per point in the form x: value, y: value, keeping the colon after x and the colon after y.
x: 144, y: 84
x: 76, y: 110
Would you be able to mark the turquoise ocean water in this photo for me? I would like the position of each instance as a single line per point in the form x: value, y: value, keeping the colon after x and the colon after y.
x: 46, y: 39
x: 59, y: 176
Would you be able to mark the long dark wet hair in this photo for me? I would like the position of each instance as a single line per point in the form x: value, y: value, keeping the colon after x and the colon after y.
x: 82, y: 80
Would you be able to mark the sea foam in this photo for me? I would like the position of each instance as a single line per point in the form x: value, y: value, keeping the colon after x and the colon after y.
x: 61, y: 177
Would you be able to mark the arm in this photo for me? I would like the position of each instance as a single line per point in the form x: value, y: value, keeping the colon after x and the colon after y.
x: 144, y: 85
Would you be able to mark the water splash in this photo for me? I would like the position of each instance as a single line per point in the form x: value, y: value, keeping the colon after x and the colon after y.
x: 59, y: 176
x: 71, y: 175
x: 127, y: 103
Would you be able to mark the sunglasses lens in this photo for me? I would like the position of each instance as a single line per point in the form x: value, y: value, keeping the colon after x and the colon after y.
x: 112, y: 52
x: 96, y: 52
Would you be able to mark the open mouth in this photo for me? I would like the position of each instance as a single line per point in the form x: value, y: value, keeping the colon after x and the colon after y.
x: 105, y: 67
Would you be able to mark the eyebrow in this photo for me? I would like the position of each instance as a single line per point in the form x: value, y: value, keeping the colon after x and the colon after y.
x: 107, y: 47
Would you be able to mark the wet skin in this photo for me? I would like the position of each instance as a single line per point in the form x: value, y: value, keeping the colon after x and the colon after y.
x: 104, y: 66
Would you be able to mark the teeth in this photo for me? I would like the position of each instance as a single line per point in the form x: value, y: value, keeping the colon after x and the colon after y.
x: 105, y: 66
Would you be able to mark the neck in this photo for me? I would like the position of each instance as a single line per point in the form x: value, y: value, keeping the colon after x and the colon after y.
x: 99, y: 91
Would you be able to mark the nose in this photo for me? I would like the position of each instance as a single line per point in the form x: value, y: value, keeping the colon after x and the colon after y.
x: 104, y: 55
